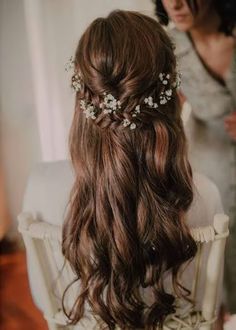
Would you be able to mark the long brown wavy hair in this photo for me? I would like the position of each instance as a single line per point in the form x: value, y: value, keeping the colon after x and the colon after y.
x: 125, y: 228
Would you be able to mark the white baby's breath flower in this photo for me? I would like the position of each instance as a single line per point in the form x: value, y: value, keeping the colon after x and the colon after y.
x: 82, y: 104
x: 163, y: 100
x: 132, y: 126
x: 168, y: 92
x: 137, y: 108
x: 111, y: 103
x: 126, y: 122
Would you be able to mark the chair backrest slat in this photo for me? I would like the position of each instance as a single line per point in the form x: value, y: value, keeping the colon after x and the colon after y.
x: 214, y: 266
x: 196, y: 276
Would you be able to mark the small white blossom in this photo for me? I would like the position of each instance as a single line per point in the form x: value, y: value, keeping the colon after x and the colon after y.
x: 89, y: 112
x: 137, y: 108
x: 76, y: 82
x: 133, y: 126
x: 161, y: 76
x: 88, y: 109
x: 76, y: 85
x: 83, y: 104
x: 106, y: 111
x: 126, y: 122
x: 168, y: 92
x: 110, y: 103
x: 150, y: 103
x: 163, y: 100
x: 70, y: 65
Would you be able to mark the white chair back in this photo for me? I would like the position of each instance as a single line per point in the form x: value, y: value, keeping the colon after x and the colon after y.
x: 43, y: 246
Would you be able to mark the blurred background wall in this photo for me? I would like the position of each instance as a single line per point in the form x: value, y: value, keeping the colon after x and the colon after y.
x: 37, y: 37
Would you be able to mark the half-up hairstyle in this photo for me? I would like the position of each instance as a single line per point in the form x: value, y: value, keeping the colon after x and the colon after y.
x: 126, y: 228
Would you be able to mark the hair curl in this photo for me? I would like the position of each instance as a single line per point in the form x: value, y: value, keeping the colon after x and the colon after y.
x: 226, y: 10
x: 126, y: 223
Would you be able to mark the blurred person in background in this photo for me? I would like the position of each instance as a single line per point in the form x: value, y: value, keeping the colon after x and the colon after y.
x: 204, y: 35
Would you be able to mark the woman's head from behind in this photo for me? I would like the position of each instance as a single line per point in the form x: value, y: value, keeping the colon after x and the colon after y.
x: 125, y: 227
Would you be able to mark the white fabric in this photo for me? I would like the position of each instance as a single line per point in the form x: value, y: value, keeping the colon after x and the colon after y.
x: 47, y: 195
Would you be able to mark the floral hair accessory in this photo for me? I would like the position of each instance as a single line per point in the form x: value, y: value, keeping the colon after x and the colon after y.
x: 128, y: 123
x: 136, y: 111
x: 150, y: 103
x: 76, y: 81
x: 88, y: 109
x: 164, y: 77
x: 70, y: 65
x: 110, y: 105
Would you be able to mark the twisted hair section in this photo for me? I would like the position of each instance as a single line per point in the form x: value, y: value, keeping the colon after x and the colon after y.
x: 125, y: 228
